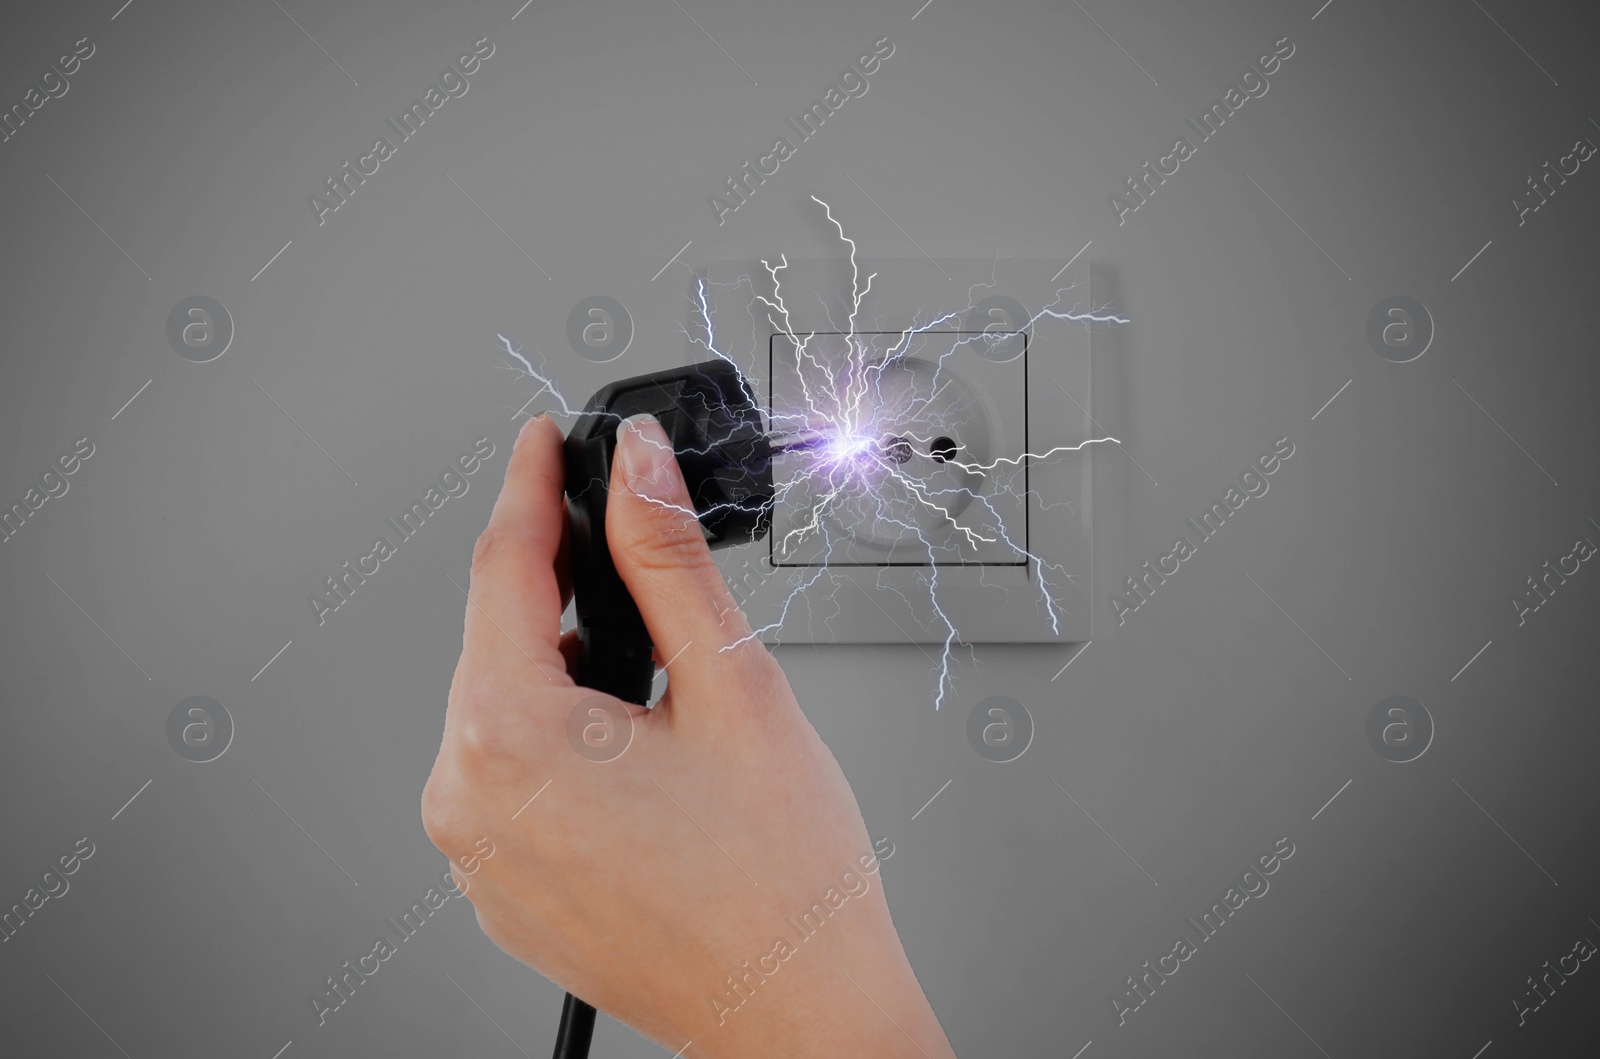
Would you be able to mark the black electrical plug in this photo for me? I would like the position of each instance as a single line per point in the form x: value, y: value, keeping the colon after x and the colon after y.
x: 717, y: 435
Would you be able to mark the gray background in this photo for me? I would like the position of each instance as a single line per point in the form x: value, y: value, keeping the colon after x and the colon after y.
x: 1194, y: 735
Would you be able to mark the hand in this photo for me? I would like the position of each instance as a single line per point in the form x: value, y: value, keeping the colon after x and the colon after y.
x: 714, y: 883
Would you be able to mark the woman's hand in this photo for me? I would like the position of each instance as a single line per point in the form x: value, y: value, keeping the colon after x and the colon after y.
x: 715, y: 882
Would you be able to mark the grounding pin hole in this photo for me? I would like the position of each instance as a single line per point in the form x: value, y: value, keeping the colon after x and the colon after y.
x: 943, y: 449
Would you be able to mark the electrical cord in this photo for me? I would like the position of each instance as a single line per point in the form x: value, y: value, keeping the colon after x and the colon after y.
x: 577, y: 1028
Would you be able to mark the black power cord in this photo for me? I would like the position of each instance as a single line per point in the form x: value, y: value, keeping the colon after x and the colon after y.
x: 707, y: 412
x: 576, y: 1030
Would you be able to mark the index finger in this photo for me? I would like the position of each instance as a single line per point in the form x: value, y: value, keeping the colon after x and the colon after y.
x: 514, y: 600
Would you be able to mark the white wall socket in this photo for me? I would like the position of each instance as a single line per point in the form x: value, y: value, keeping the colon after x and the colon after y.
x: 968, y: 526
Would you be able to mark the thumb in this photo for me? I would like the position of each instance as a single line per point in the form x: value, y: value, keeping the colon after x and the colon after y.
x: 662, y: 556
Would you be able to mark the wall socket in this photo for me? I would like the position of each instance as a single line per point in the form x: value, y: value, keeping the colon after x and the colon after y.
x: 943, y: 370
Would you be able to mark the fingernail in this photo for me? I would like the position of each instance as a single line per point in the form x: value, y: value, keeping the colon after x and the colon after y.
x: 647, y: 461
x: 527, y: 428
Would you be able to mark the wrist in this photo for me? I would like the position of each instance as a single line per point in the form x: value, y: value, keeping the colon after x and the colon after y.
x: 848, y: 991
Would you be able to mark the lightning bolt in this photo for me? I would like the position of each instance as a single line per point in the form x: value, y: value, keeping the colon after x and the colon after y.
x: 860, y: 468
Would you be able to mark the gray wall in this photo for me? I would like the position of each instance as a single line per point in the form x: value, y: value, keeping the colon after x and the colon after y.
x: 1174, y: 751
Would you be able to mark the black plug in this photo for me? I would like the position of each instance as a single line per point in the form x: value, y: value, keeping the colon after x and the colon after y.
x: 717, y: 434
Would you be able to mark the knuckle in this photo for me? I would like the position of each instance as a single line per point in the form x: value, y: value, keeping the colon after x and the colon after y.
x: 483, y: 740
x: 496, y: 545
x: 442, y: 817
x: 674, y: 551
x: 666, y: 538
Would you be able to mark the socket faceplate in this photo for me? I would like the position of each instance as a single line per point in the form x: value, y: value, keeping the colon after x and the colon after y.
x: 990, y: 541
